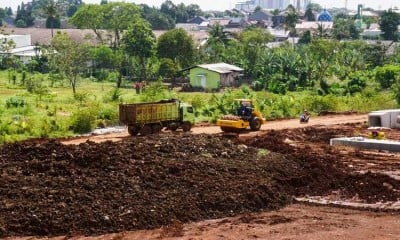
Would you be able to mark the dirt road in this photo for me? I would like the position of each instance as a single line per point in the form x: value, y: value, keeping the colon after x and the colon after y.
x: 279, y: 124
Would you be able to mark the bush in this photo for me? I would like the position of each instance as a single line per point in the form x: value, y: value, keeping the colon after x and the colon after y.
x: 387, y: 75
x: 108, y: 114
x: 15, y: 102
x: 113, y: 95
x: 82, y: 122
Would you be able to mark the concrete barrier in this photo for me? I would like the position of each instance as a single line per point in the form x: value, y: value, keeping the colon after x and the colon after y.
x: 360, y: 142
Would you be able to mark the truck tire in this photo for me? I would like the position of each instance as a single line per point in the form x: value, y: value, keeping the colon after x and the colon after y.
x: 133, y: 131
x: 156, y: 128
x: 173, y: 126
x: 145, y: 130
x: 255, y: 124
x: 186, y: 126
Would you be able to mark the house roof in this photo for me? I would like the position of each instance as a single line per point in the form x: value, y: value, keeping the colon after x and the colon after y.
x: 314, y: 25
x: 220, y: 21
x: 221, y: 67
x: 42, y: 36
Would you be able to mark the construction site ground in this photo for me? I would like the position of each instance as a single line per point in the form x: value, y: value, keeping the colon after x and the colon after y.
x: 283, y: 182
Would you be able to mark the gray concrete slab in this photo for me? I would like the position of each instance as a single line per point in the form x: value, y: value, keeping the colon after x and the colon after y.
x: 360, y: 142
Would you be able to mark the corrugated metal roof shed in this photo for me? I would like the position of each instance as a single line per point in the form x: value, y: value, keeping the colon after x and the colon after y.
x: 221, y: 67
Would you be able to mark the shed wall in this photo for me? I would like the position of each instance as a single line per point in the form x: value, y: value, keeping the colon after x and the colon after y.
x: 200, y: 77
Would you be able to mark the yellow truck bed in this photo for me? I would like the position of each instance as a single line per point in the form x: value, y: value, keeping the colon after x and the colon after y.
x: 142, y: 113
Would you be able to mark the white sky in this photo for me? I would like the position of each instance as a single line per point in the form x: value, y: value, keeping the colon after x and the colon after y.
x: 229, y: 4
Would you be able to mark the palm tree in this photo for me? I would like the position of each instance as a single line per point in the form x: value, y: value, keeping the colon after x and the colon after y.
x: 217, y: 34
x: 217, y: 43
x: 51, y: 11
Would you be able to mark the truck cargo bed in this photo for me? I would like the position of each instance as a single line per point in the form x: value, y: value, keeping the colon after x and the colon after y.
x: 143, y: 113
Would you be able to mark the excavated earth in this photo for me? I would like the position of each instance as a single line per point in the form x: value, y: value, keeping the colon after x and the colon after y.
x: 51, y: 189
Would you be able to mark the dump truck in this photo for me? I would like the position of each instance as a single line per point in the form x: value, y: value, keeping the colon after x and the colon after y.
x: 152, y: 117
x: 243, y: 116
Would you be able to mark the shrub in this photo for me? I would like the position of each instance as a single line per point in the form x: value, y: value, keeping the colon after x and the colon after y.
x: 82, y: 122
x: 15, y: 102
x: 113, y: 95
x: 387, y: 75
x: 108, y: 114
x: 81, y: 97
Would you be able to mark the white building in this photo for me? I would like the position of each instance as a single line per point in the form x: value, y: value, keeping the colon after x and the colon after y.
x: 22, y: 48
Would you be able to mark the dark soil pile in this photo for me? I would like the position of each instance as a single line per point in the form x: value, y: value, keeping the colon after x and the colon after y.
x: 48, y: 189
x: 308, y: 172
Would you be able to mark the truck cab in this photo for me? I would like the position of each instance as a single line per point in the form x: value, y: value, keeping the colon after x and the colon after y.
x: 187, y: 113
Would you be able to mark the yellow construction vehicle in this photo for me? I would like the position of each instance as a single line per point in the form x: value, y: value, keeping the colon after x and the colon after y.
x: 244, y: 116
x: 375, y: 133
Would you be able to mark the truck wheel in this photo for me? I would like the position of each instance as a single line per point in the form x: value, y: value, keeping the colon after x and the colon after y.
x: 156, y: 128
x: 133, y: 131
x: 186, y: 126
x: 173, y: 126
x: 255, y: 124
x: 145, y: 130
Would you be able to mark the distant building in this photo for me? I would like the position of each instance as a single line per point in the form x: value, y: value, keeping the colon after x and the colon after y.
x: 261, y: 16
x: 214, y: 76
x: 325, y: 16
x: 313, y: 26
x: 197, y: 20
x: 272, y: 4
x: 188, y: 26
x: 22, y: 49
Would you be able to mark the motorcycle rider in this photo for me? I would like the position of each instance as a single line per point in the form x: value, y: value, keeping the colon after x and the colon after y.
x: 305, y: 116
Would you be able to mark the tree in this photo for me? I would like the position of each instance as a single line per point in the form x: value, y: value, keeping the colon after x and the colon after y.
x: 217, y: 33
x: 305, y: 38
x: 89, y: 16
x: 114, y: 17
x: 2, y: 15
x: 102, y: 56
x: 51, y: 11
x: 193, y: 10
x: 118, y: 16
x: 24, y: 17
x: 217, y: 43
x: 167, y: 68
x: 314, y: 7
x: 177, y: 45
x: 345, y: 29
x: 291, y: 20
x: 139, y: 41
x: 309, y: 15
x: 157, y: 19
x: 181, y: 13
x: 72, y: 7
x: 69, y: 58
x: 253, y: 41
x: 160, y: 21
x: 389, y: 25
x: 169, y: 8
x: 9, y: 12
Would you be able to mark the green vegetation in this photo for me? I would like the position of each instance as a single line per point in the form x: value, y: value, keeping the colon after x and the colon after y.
x: 328, y: 70
x: 56, y: 112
